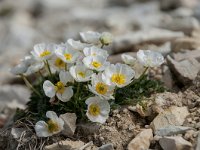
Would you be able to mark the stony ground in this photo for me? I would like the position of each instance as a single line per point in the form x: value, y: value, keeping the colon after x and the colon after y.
x: 171, y: 119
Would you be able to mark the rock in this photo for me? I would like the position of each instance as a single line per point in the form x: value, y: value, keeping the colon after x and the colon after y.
x: 187, y: 54
x: 173, y: 4
x: 185, y: 43
x: 88, y: 128
x: 172, y: 116
x: 171, y: 130
x: 106, y: 147
x: 68, y: 145
x: 17, y: 132
x: 168, y: 99
x: 186, y: 70
x: 127, y: 41
x: 175, y: 143
x: 13, y: 96
x: 185, y: 24
x: 167, y: 78
x: 142, y: 140
x: 69, y: 123
x: 198, y: 142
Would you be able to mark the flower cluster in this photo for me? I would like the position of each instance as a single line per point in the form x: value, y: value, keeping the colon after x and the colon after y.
x: 71, y: 67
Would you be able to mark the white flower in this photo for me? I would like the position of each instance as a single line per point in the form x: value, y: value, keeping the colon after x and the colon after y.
x: 119, y: 75
x: 66, y: 53
x: 43, y: 51
x: 97, y: 63
x: 60, y: 89
x: 58, y: 64
x: 100, y: 88
x: 91, y: 37
x: 128, y: 59
x: 53, y: 126
x: 150, y: 58
x: 80, y: 73
x: 29, y: 60
x: 106, y: 38
x: 98, y: 109
x: 34, y: 68
x: 95, y: 51
x: 77, y: 45
x: 19, y: 69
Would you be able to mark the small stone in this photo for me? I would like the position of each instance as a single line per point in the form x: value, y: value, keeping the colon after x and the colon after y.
x: 171, y: 130
x: 69, y: 145
x: 185, y: 43
x: 69, y: 123
x: 175, y: 143
x: 198, y: 142
x: 142, y: 140
x: 172, y: 116
x: 17, y: 132
x: 106, y: 147
x: 186, y: 70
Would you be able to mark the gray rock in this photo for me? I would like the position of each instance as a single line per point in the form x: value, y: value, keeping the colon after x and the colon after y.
x: 198, y: 142
x: 106, y: 147
x: 187, y: 54
x: 142, y: 140
x: 171, y: 130
x: 172, y: 116
x: 173, y: 4
x: 128, y: 41
x: 67, y: 144
x: 175, y: 143
x: 69, y: 123
x: 186, y: 70
x: 186, y: 24
x: 186, y: 43
x: 167, y: 78
x: 13, y: 96
x: 88, y: 128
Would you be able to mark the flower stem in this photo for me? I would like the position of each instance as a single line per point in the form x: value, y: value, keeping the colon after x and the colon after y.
x: 29, y: 85
x: 144, y: 72
x: 48, y: 67
x: 102, y: 45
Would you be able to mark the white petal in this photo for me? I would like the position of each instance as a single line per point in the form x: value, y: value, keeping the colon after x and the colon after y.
x: 51, y: 115
x: 49, y: 89
x: 41, y: 129
x: 66, y: 96
x: 65, y: 77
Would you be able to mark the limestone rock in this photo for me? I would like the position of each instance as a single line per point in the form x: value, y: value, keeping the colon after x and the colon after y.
x: 185, y: 43
x: 173, y: 4
x: 69, y: 123
x: 141, y: 141
x: 106, y: 147
x: 128, y: 41
x: 185, y: 24
x: 187, y: 54
x: 186, y: 70
x: 172, y: 116
x: 69, y: 145
x: 198, y: 142
x: 175, y: 143
x: 171, y: 130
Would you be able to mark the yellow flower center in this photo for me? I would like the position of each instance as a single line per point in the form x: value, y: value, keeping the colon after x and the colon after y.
x: 82, y: 74
x: 101, y: 88
x: 149, y: 60
x: 96, y: 64
x: 94, y: 54
x: 45, y: 53
x: 52, y: 126
x: 94, y: 110
x: 118, y: 78
x: 60, y: 87
x: 59, y: 63
x: 68, y: 56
